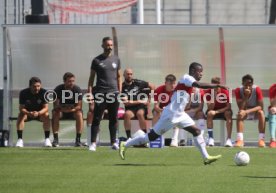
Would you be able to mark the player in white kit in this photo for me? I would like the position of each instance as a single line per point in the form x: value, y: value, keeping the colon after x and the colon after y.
x: 174, y: 115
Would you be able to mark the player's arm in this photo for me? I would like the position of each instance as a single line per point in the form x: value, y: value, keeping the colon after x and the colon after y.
x: 91, y: 80
x: 207, y: 85
x: 119, y: 80
x: 22, y: 109
x: 222, y: 110
x: 44, y: 109
x: 77, y: 107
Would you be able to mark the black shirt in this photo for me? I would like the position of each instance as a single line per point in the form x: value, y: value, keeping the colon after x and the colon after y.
x: 135, y: 88
x: 76, y: 92
x: 106, y: 69
x: 32, y: 102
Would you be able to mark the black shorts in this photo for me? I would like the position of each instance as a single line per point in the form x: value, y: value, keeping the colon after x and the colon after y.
x: 32, y: 119
x: 67, y: 116
x: 135, y: 108
x: 218, y: 115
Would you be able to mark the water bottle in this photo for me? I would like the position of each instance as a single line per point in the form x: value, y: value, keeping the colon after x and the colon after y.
x: 190, y: 141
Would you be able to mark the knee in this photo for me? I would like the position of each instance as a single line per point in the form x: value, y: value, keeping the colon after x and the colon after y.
x: 128, y: 115
x: 152, y: 135
x: 195, y: 132
x: 260, y: 113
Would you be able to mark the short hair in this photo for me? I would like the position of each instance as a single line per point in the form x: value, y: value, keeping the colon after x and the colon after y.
x: 193, y: 66
x: 106, y: 39
x: 247, y: 77
x: 34, y: 80
x: 170, y: 78
x: 68, y: 75
x: 215, y: 80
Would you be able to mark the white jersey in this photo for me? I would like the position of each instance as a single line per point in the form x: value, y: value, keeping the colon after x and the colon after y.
x: 180, y: 98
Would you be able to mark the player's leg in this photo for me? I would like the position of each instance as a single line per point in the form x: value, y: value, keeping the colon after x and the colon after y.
x: 189, y: 125
x: 162, y: 126
x: 272, y: 128
x: 174, y: 142
x: 113, y: 121
x: 99, y: 108
x: 200, y: 121
x: 44, y: 118
x: 240, y: 128
x: 261, y: 127
x: 20, y: 124
x: 127, y: 122
x: 56, y: 115
x: 210, y: 126
x: 229, y: 125
x: 156, y: 116
x: 140, y: 114
x: 79, y: 127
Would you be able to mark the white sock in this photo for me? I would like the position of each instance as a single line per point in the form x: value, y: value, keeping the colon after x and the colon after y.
x: 88, y: 134
x: 201, y: 124
x: 240, y: 136
x: 175, y: 133
x: 200, y: 144
x: 139, y: 140
x: 261, y: 135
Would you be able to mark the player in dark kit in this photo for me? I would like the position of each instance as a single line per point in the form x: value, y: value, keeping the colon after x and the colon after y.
x: 68, y: 105
x: 33, y: 106
x: 108, y: 85
x: 137, y: 101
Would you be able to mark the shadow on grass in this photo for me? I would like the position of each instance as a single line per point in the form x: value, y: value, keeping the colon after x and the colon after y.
x: 261, y: 177
x: 149, y: 164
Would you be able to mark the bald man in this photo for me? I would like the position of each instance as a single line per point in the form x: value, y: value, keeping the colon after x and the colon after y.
x: 137, y: 102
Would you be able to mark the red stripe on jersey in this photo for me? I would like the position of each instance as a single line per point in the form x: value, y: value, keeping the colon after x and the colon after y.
x: 181, y: 86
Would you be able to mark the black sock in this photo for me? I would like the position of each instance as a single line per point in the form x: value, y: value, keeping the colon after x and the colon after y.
x: 56, y: 136
x: 47, y: 134
x: 19, y: 134
x: 128, y: 133
x: 78, y: 136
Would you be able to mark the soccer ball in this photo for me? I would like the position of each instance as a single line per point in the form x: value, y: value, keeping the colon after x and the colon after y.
x: 241, y: 158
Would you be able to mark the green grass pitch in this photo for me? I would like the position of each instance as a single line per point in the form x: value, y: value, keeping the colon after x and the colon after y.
x: 166, y: 170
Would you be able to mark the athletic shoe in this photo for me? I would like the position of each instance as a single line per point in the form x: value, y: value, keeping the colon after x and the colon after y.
x: 211, y: 159
x: 19, y: 143
x: 211, y: 142
x: 228, y: 143
x: 261, y: 143
x: 239, y: 143
x: 115, y: 146
x: 272, y: 144
x: 47, y: 143
x: 182, y: 142
x: 174, y: 143
x: 122, y: 150
x: 92, y: 147
x: 55, y: 143
x: 78, y: 144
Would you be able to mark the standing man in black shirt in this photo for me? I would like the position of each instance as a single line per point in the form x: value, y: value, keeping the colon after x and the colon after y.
x: 137, y: 102
x: 108, y: 85
x: 68, y: 105
x: 33, y: 106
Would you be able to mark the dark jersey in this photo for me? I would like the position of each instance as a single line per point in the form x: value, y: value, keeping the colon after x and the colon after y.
x: 106, y: 69
x: 32, y: 102
x: 135, y: 88
x: 68, y: 97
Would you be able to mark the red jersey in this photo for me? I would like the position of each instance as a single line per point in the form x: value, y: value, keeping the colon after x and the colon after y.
x: 221, y: 99
x: 272, y: 91
x: 162, y: 96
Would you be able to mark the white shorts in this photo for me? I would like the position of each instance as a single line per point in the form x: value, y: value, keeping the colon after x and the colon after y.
x: 165, y: 123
